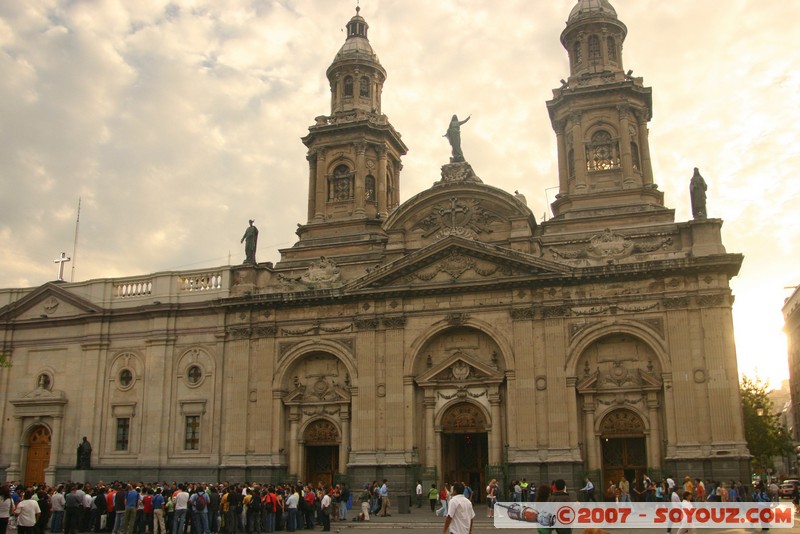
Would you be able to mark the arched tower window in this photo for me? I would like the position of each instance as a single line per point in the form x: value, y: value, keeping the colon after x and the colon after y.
x: 342, y: 187
x: 348, y: 86
x: 577, y: 52
x: 363, y: 89
x: 602, y: 152
x: 612, y: 49
x: 369, y: 188
x: 594, y: 48
x: 637, y: 166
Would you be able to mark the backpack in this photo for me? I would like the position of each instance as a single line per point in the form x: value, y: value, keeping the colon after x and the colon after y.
x: 200, y: 502
x: 255, y: 504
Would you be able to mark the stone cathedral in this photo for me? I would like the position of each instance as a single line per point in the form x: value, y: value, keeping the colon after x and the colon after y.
x: 451, y: 336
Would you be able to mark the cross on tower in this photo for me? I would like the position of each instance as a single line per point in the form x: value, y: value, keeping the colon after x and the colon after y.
x: 61, y: 261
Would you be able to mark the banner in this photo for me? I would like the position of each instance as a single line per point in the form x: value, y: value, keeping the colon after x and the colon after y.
x: 644, y: 515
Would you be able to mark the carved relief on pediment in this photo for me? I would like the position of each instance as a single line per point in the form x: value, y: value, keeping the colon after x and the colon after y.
x: 455, y: 265
x: 457, y: 217
x: 318, y: 378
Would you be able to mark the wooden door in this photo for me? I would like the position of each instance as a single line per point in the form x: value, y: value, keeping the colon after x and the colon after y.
x: 38, y: 455
x: 322, y: 463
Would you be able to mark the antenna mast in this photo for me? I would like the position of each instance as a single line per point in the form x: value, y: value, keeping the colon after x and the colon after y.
x: 75, y: 243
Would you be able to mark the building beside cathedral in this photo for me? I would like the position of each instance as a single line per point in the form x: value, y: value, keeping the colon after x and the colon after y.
x: 448, y: 337
x: 791, y: 317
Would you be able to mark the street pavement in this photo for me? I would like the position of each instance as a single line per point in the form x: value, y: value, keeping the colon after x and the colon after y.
x: 423, y: 521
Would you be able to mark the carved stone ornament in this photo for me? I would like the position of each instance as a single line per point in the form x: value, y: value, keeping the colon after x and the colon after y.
x: 321, y: 432
x: 459, y: 217
x: 239, y: 333
x: 621, y: 423
x: 676, y: 302
x: 460, y: 370
x: 455, y: 265
x: 458, y: 173
x: 464, y: 418
x: 50, y: 305
x: 394, y: 322
x: 321, y: 274
x: 521, y: 314
x: 609, y: 245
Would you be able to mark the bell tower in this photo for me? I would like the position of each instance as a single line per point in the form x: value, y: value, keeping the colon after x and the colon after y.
x: 354, y: 153
x: 600, y: 115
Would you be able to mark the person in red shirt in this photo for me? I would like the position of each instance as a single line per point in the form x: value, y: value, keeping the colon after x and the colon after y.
x: 148, y: 510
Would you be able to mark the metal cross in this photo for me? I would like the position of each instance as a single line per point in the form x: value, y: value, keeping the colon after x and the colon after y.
x: 61, y: 261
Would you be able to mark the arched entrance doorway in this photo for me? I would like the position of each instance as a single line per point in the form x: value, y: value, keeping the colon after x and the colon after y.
x: 38, y: 455
x: 465, y: 445
x: 321, y: 440
x: 623, y: 444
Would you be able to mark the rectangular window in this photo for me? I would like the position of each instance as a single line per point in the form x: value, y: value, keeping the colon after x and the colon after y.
x: 123, y: 433
x: 191, y: 440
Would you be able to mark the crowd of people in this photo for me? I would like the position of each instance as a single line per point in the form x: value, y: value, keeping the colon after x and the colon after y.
x: 189, y: 508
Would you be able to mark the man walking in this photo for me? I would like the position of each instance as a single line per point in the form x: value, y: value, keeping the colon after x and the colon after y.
x: 385, y: 498
x: 460, y: 513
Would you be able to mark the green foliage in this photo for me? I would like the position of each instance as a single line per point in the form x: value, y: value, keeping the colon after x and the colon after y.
x: 5, y: 361
x: 766, y: 436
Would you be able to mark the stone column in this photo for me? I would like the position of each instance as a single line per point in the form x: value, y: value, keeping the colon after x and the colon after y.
x: 437, y: 442
x: 321, y: 187
x: 294, y: 442
x: 55, y: 441
x: 408, y: 412
x: 590, y: 440
x: 301, y: 459
x: 13, y: 470
x: 381, y: 179
x: 572, y: 410
x: 644, y: 151
x: 654, y: 443
x: 579, y: 147
x: 360, y: 178
x: 430, y: 431
x: 669, y: 399
x: 344, y: 451
x: 312, y: 178
x: 626, y: 158
x: 563, y: 165
x: 496, y: 437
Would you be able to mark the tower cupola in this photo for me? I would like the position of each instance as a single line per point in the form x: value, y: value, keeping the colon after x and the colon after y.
x: 356, y: 76
x: 593, y: 38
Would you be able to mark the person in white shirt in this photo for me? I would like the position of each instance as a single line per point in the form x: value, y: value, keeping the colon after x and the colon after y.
x: 419, y: 494
x: 57, y: 503
x: 181, y: 500
x: 460, y: 513
x: 325, y: 508
x: 27, y: 513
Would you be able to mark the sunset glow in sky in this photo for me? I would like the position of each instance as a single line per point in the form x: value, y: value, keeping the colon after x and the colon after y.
x: 177, y: 121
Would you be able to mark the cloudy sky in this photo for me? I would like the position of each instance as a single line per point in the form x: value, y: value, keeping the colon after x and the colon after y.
x: 175, y: 122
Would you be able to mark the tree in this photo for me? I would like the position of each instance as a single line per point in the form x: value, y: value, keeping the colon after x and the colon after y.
x: 766, y: 436
x: 5, y: 361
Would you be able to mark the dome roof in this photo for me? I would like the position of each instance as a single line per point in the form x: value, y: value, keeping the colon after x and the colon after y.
x: 356, y: 46
x: 591, y: 8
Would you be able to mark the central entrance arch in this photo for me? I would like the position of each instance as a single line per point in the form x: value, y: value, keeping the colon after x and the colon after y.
x: 465, y: 445
x: 622, y: 440
x: 38, y: 457
x: 321, y: 440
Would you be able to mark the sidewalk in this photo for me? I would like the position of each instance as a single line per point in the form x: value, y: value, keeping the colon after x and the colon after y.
x: 423, y: 520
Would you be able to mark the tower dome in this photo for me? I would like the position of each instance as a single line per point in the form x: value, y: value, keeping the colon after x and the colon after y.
x: 591, y: 8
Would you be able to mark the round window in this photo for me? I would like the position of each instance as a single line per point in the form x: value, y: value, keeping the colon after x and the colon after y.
x: 125, y: 378
x: 194, y: 374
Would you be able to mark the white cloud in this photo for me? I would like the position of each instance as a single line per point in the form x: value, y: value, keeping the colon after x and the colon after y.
x: 178, y: 121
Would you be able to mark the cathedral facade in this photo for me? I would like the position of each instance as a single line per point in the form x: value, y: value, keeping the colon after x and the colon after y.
x: 447, y: 337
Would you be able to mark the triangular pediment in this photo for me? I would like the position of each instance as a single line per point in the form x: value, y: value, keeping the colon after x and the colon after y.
x: 46, y: 302
x: 460, y: 368
x: 458, y: 260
